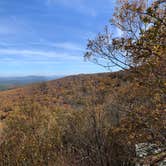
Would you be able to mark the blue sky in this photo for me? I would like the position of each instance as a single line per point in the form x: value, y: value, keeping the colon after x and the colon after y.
x: 48, y: 37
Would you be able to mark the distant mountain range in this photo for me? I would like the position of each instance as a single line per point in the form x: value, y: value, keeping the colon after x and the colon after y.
x: 13, y: 82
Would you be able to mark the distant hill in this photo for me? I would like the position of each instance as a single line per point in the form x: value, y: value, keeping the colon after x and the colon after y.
x: 71, y: 91
x: 13, y: 82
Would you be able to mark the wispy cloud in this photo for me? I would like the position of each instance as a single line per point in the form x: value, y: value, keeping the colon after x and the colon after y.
x: 39, y: 54
x: 34, y: 37
x: 65, y: 46
x: 69, y: 46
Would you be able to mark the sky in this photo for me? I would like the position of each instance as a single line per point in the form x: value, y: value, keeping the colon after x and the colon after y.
x: 48, y: 37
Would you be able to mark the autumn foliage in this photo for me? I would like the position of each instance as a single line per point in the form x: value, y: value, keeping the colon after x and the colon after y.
x: 95, y: 120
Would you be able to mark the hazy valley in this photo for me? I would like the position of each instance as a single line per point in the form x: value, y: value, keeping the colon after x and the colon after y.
x: 13, y: 82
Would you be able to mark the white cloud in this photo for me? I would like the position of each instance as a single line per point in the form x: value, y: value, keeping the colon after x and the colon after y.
x: 69, y: 46
x: 39, y: 54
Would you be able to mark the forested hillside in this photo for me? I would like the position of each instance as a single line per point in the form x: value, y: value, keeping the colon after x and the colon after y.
x: 100, y: 119
x: 77, y: 92
x: 66, y: 120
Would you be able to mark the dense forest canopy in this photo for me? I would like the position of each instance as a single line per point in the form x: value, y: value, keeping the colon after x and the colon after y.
x: 95, y: 120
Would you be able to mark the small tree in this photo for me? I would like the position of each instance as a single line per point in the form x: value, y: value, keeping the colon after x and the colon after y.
x: 137, y: 21
x: 141, y: 48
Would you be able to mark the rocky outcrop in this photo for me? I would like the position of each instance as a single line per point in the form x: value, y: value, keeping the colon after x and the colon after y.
x: 150, y: 155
